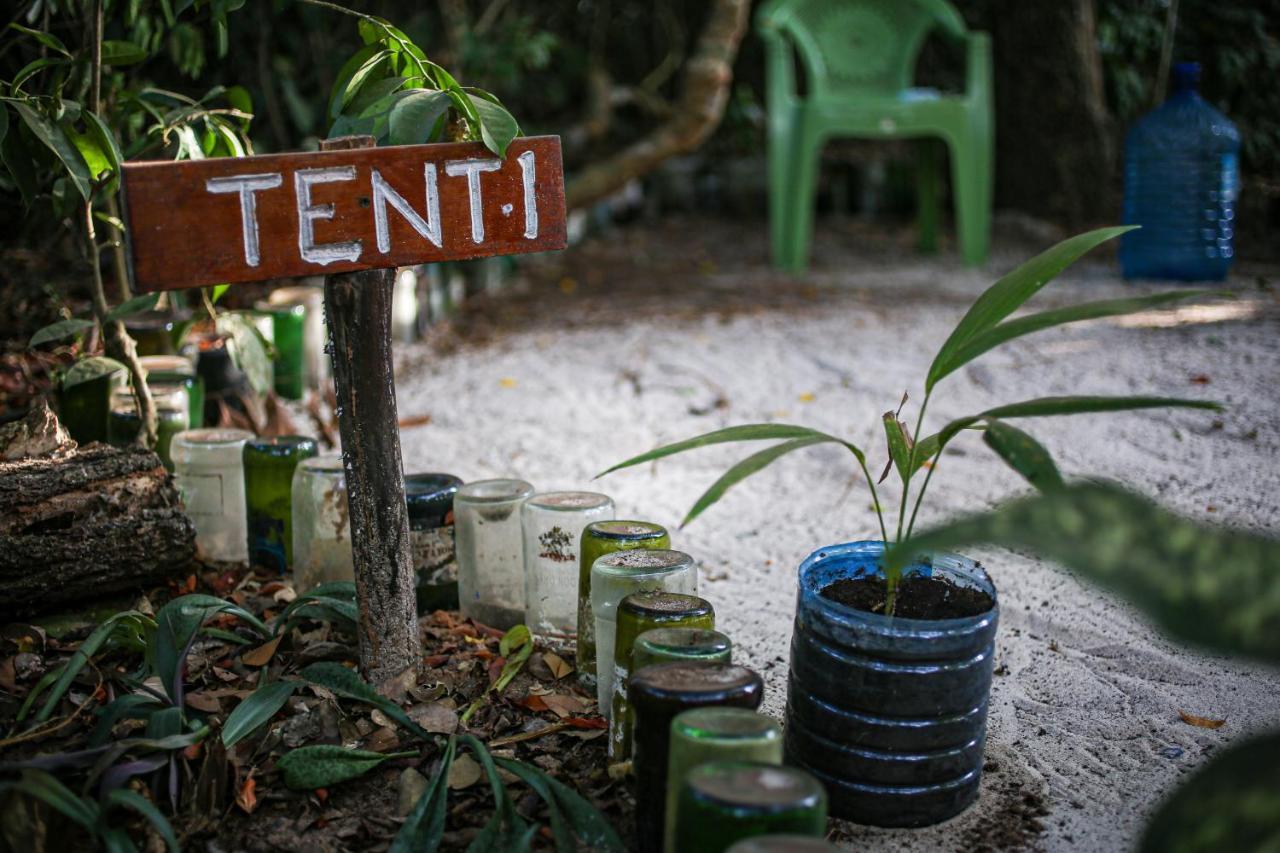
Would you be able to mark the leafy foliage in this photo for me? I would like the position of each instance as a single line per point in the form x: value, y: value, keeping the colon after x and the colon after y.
x: 322, y: 765
x: 984, y: 326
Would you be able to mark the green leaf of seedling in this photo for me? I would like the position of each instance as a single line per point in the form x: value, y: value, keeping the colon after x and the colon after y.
x: 176, y: 626
x: 1008, y: 293
x: 746, y: 432
x: 751, y: 465
x: 1210, y: 586
x: 413, y: 117
x: 516, y: 646
x: 90, y: 647
x: 497, y: 126
x: 256, y: 708
x: 59, y: 331
x: 1023, y: 454
x: 1019, y: 326
x: 136, y: 305
x: 899, y: 443
x: 1231, y: 803
x: 55, y: 138
x: 44, y: 787
x: 122, y: 53
x: 132, y: 800
x: 49, y: 40
x: 571, y: 814
x: 506, y: 830
x: 321, y: 766
x: 416, y: 835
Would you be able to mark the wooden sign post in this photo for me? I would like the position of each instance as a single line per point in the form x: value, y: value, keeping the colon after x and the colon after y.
x: 352, y: 212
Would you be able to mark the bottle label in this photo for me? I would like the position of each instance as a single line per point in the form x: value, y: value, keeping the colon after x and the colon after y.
x: 433, y: 555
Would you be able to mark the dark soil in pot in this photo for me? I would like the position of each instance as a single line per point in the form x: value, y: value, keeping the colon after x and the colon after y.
x: 918, y: 597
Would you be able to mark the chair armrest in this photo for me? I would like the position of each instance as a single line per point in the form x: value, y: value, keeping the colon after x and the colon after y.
x: 779, y: 67
x: 978, y: 66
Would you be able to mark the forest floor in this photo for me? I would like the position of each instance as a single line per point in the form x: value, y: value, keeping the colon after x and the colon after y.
x: 662, y: 331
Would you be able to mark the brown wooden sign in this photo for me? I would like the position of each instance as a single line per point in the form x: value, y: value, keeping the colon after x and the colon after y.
x: 199, y: 222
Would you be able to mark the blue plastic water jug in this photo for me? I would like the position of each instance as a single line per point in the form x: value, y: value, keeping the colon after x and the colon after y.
x: 1181, y: 177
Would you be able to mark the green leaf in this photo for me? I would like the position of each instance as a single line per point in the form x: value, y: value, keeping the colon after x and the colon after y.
x: 370, y: 70
x: 1211, y: 586
x: 413, y: 117
x: 122, y: 53
x: 1020, y: 326
x: 414, y: 835
x: 56, y: 140
x: 1077, y: 405
x: 4, y: 123
x: 583, y: 819
x: 81, y: 658
x: 176, y: 626
x: 497, y: 126
x: 88, y: 369
x: 746, y: 432
x: 321, y: 766
x: 218, y: 290
x: 248, y: 349
x: 1023, y: 454
x: 1003, y: 298
x: 130, y: 799
x: 136, y: 305
x: 44, y: 787
x: 59, y: 331
x: 256, y: 708
x: 752, y: 464
x: 33, y: 68
x: 132, y: 706
x: 20, y: 165
x: 1232, y: 803
x: 899, y: 442
x: 49, y: 40
x: 348, y: 683
x: 506, y: 830
x: 337, y: 95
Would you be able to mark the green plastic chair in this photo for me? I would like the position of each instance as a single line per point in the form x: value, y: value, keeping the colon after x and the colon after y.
x: 859, y: 58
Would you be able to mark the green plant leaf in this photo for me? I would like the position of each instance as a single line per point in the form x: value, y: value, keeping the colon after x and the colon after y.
x: 255, y: 709
x: 412, y: 118
x: 132, y: 706
x: 136, y: 305
x: 1020, y: 326
x: 59, y: 331
x: 751, y: 465
x: 1023, y: 454
x: 90, y: 647
x: 55, y: 138
x: 248, y: 349
x: 106, y: 143
x: 414, y: 835
x: 746, y: 432
x: 571, y: 814
x: 46, y: 788
x: 369, y: 71
x: 506, y: 830
x: 88, y: 369
x: 35, y: 67
x: 335, y: 601
x: 337, y: 99
x: 348, y: 683
x: 1076, y: 405
x: 320, y: 766
x: 497, y: 126
x: 217, y: 291
x: 177, y: 624
x: 49, y: 40
x: 899, y: 442
x: 1210, y: 586
x: 122, y: 53
x: 4, y: 123
x: 1009, y: 292
x: 129, y: 799
x: 1232, y: 803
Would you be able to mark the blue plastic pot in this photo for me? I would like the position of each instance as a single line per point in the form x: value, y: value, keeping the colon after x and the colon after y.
x: 889, y: 713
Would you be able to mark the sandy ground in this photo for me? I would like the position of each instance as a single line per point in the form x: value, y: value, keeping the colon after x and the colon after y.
x: 661, y: 332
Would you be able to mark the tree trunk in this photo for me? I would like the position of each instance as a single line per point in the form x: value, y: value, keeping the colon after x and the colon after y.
x: 707, y: 81
x: 358, y: 307
x: 1055, y: 150
x: 89, y: 523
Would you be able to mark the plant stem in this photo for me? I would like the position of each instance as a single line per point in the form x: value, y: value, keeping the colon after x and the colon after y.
x: 923, y: 488
x: 911, y: 465
x: 875, y: 499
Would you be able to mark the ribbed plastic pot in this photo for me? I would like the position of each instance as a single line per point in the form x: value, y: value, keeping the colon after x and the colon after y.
x: 889, y: 713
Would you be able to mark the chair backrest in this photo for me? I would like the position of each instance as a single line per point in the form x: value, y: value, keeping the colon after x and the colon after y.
x: 860, y: 47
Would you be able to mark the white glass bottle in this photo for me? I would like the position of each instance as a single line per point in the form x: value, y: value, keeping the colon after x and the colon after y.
x: 209, y: 474
x: 553, y: 523
x: 321, y: 524
x: 490, y: 551
x: 617, y: 575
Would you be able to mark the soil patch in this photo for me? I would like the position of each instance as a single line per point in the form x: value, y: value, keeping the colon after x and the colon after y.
x: 918, y: 597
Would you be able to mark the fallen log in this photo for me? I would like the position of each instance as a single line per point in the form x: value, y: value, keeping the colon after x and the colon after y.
x: 86, y: 523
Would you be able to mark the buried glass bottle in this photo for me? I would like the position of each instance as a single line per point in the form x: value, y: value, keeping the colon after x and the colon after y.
x: 208, y: 472
x: 723, y: 802
x: 616, y: 576
x: 432, y: 548
x: 85, y: 407
x: 665, y: 645
x: 658, y: 694
x: 321, y: 524
x: 553, y: 524
x: 490, y: 551
x: 704, y: 735
x: 124, y: 424
x: 600, y: 538
x: 269, y: 464
x: 638, y: 613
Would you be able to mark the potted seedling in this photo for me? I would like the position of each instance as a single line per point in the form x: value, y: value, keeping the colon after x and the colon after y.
x: 891, y: 663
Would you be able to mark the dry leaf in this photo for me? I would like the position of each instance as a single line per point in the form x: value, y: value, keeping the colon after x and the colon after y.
x: 382, y: 740
x: 559, y: 668
x: 262, y: 655
x: 415, y: 421
x: 463, y: 773
x: 1202, y: 722
x: 563, y: 706
x: 435, y: 717
x: 202, y: 701
x: 247, y: 799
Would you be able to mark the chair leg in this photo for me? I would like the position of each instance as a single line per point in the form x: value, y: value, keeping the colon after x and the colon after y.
x: 927, y: 183
x: 971, y: 181
x: 800, y: 199
x: 780, y: 187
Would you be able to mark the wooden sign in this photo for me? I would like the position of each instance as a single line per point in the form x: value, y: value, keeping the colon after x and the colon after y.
x: 199, y: 222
